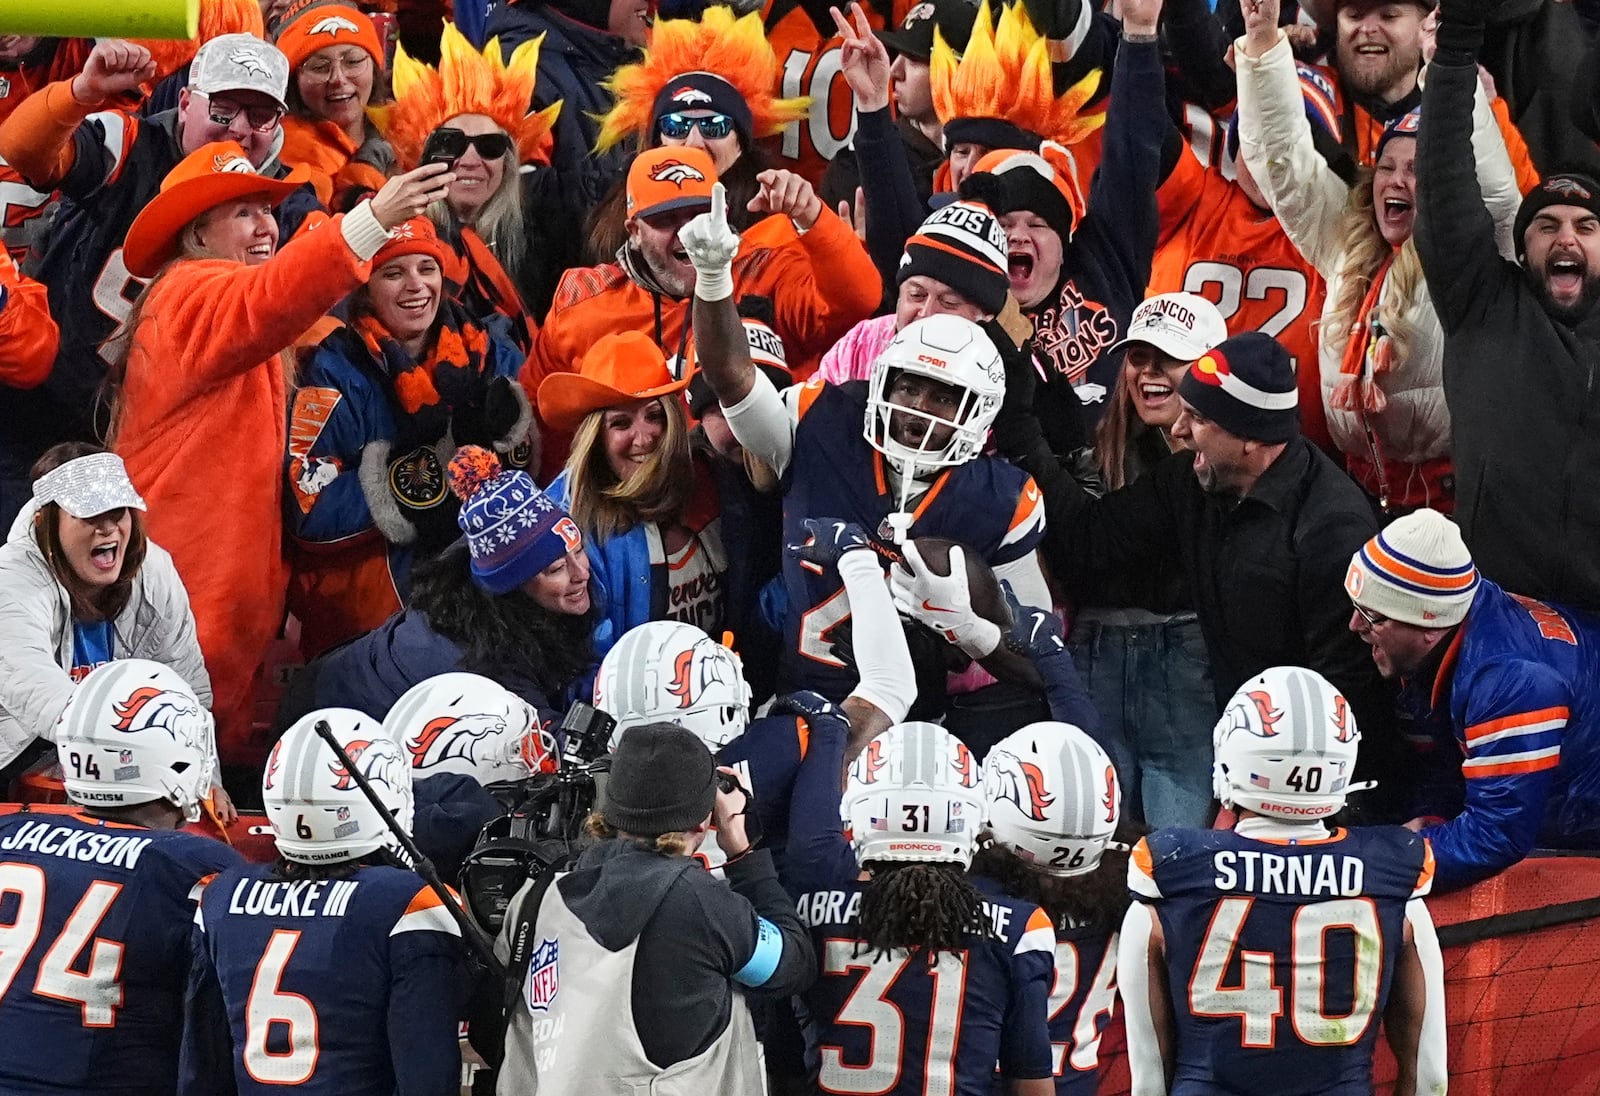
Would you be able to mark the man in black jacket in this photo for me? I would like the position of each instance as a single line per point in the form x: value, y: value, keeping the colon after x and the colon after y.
x: 1522, y: 344
x: 1261, y: 523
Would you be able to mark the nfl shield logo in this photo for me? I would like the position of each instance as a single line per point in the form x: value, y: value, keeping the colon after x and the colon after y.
x: 343, y: 814
x: 125, y: 757
x: 543, y: 976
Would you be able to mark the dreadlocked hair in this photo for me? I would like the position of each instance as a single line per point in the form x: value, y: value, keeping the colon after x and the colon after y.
x: 1097, y: 900
x: 732, y: 47
x: 1005, y: 73
x: 921, y: 907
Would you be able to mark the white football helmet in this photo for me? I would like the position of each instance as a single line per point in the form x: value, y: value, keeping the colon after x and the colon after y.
x: 951, y: 350
x: 1285, y: 746
x: 318, y: 813
x: 1052, y: 797
x: 134, y: 732
x: 915, y: 794
x: 467, y: 724
x: 666, y: 671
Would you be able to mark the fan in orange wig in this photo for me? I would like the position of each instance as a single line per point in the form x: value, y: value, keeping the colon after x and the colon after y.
x: 729, y: 51
x: 217, y: 17
x: 467, y: 82
x: 999, y: 94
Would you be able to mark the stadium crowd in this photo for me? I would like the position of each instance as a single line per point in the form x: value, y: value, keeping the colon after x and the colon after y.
x: 993, y: 521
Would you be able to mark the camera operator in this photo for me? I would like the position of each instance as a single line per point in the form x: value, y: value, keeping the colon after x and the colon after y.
x: 637, y: 920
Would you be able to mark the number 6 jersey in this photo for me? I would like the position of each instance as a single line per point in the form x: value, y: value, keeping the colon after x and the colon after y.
x: 337, y: 987
x: 1280, y: 954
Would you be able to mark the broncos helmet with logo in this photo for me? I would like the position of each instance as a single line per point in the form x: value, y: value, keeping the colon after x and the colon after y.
x: 915, y: 794
x: 666, y: 671
x: 134, y: 732
x: 318, y: 813
x: 1285, y: 746
x: 1052, y: 797
x: 467, y: 724
x: 951, y: 350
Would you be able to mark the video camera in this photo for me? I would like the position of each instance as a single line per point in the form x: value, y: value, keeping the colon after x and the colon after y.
x: 544, y: 819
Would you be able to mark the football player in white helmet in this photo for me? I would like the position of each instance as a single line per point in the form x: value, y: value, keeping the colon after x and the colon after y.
x: 96, y: 949
x: 894, y: 912
x: 901, y: 455
x: 1330, y: 922
x: 1052, y: 803
x: 469, y: 725
x: 336, y: 969
x: 135, y: 733
x: 670, y: 671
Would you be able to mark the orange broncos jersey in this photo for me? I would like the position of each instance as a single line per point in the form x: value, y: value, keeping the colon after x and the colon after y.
x: 810, y: 60
x: 1214, y: 242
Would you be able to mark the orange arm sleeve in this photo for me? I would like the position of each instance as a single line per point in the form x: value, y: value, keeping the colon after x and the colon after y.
x: 36, y: 139
x: 28, y: 333
x: 1516, y: 147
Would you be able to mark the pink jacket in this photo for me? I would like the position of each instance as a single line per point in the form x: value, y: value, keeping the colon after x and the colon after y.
x: 851, y: 358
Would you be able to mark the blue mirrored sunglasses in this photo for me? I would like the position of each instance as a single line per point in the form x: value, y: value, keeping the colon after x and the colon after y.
x: 712, y: 126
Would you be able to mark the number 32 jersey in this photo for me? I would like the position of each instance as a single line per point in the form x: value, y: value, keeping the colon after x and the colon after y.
x: 94, y: 949
x: 1280, y: 956
x: 340, y: 987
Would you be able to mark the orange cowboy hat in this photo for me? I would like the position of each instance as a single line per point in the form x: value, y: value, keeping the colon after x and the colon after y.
x: 210, y: 175
x: 618, y: 369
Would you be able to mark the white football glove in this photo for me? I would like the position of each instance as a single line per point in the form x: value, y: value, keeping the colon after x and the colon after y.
x: 942, y: 602
x: 711, y: 246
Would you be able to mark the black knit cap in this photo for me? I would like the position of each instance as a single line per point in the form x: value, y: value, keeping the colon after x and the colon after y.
x: 1568, y: 188
x: 952, y: 18
x: 704, y: 91
x: 962, y: 245
x: 1247, y: 387
x: 663, y: 780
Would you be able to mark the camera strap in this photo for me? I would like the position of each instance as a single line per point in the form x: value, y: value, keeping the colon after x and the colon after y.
x: 522, y: 940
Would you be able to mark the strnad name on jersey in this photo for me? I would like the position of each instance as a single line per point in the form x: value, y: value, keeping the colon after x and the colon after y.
x: 1302, y: 876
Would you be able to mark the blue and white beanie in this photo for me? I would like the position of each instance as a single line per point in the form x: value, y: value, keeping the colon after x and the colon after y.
x: 514, y: 530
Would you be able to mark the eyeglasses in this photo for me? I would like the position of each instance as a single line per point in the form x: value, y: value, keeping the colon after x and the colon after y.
x: 449, y: 144
x: 323, y: 68
x: 1372, y: 619
x: 260, y: 119
x: 712, y: 126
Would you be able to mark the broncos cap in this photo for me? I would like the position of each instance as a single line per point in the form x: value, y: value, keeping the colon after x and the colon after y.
x: 664, y: 179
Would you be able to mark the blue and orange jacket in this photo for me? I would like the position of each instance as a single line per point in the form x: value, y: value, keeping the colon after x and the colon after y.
x: 1518, y: 689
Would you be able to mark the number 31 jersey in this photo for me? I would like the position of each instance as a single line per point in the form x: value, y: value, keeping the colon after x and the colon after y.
x: 340, y: 987
x: 94, y: 950
x: 1280, y: 956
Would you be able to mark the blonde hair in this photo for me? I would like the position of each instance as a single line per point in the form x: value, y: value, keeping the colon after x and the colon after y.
x: 1363, y: 250
x: 657, y: 491
x: 667, y: 844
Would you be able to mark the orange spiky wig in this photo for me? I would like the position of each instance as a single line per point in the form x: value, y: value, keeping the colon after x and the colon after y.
x: 999, y: 92
x: 467, y: 82
x: 217, y: 17
x: 732, y: 51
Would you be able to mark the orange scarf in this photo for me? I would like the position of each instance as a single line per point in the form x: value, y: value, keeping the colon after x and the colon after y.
x: 1368, y: 353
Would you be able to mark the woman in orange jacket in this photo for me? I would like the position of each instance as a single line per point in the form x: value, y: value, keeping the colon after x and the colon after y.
x: 201, y: 384
x: 335, y: 62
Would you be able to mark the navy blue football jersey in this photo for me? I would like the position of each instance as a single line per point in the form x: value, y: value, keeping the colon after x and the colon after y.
x: 986, y: 504
x: 94, y: 952
x: 898, y: 1024
x: 341, y: 987
x: 1280, y: 956
x: 767, y: 757
x: 1083, y: 998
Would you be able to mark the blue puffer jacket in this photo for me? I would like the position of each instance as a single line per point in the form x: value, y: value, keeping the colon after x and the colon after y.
x: 573, y: 61
x: 1518, y: 689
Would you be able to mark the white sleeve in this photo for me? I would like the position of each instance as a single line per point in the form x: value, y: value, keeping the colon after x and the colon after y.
x: 883, y: 661
x: 1133, y: 979
x: 1432, y: 1074
x: 764, y: 422
x: 1027, y: 580
x: 1276, y: 145
x: 1497, y: 178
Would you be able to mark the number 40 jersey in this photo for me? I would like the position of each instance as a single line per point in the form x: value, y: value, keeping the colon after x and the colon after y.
x: 338, y: 987
x: 1280, y: 956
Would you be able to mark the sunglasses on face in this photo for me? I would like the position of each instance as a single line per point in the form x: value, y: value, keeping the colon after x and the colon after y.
x: 712, y: 126
x: 449, y: 145
x: 260, y: 119
x: 1372, y: 619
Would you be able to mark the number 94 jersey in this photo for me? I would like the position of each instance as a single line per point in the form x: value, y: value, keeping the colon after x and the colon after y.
x: 1280, y: 956
x: 339, y: 987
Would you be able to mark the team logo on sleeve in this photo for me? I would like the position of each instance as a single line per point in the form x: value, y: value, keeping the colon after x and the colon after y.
x: 149, y: 708
x: 544, y: 976
x: 1020, y: 783
x: 454, y: 736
